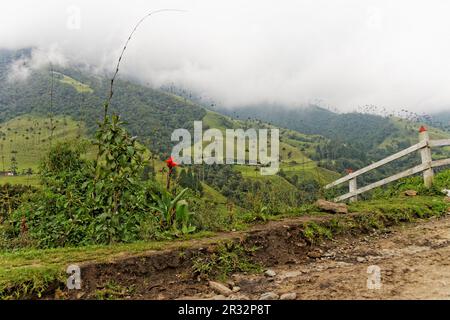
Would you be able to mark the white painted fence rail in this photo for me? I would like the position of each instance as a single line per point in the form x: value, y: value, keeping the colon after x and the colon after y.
x: 424, y: 147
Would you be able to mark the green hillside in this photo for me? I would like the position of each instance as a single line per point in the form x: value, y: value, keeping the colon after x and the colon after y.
x: 316, y: 146
x: 350, y: 140
x: 28, y: 138
x: 293, y: 149
x: 80, y: 87
x: 119, y: 197
x: 362, y: 130
x: 299, y: 179
x: 150, y: 114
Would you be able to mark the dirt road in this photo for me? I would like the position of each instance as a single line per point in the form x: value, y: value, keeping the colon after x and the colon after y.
x: 413, y: 260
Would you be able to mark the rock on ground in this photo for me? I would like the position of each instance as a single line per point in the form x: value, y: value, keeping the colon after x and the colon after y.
x: 410, y: 193
x: 270, y: 273
x: 289, y: 296
x: 220, y: 288
x: 332, y: 207
x: 269, y: 296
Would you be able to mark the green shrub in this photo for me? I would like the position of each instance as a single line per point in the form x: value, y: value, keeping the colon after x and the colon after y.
x: 174, y: 213
x: 98, y: 202
x: 442, y: 181
x: 315, y: 232
x: 228, y: 258
x: 11, y: 196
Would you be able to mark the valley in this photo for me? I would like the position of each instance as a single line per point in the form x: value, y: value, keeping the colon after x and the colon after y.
x: 100, y: 191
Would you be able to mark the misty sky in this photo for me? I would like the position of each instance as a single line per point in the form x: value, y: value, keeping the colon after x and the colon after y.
x: 344, y: 54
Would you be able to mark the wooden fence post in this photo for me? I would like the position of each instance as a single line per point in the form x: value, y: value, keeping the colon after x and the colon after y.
x: 425, y: 154
x: 353, y: 186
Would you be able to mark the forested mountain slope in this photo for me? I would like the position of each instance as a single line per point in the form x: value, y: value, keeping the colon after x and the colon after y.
x: 74, y: 97
x: 354, y: 140
x: 150, y: 114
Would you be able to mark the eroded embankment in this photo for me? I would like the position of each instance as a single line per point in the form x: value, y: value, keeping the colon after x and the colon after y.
x: 171, y: 273
x: 181, y: 269
x: 184, y: 271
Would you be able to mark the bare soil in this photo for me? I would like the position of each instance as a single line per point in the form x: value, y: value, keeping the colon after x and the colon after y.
x: 414, y: 261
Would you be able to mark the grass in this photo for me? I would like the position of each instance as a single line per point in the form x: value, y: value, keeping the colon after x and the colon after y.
x: 293, y: 160
x: 375, y: 215
x: 314, y: 232
x: 291, y: 153
x: 277, y: 184
x: 29, y: 180
x: 410, y: 133
x: 228, y: 258
x: 77, y: 85
x: 28, y: 139
x: 305, y: 173
x: 310, y: 172
x: 381, y: 214
x: 403, y: 207
x: 31, y: 271
x: 215, y: 120
x: 113, y: 291
x: 213, y: 195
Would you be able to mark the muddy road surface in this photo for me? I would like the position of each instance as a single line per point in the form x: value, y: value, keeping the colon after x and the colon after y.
x: 411, y: 261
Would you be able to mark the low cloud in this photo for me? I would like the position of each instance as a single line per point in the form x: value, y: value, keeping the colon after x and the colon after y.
x: 21, y: 68
x: 18, y: 71
x: 343, y: 54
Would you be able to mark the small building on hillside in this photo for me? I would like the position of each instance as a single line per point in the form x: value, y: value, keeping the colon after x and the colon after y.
x: 7, y: 173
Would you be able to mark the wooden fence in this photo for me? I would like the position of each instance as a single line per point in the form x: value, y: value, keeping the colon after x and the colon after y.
x: 423, y: 147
